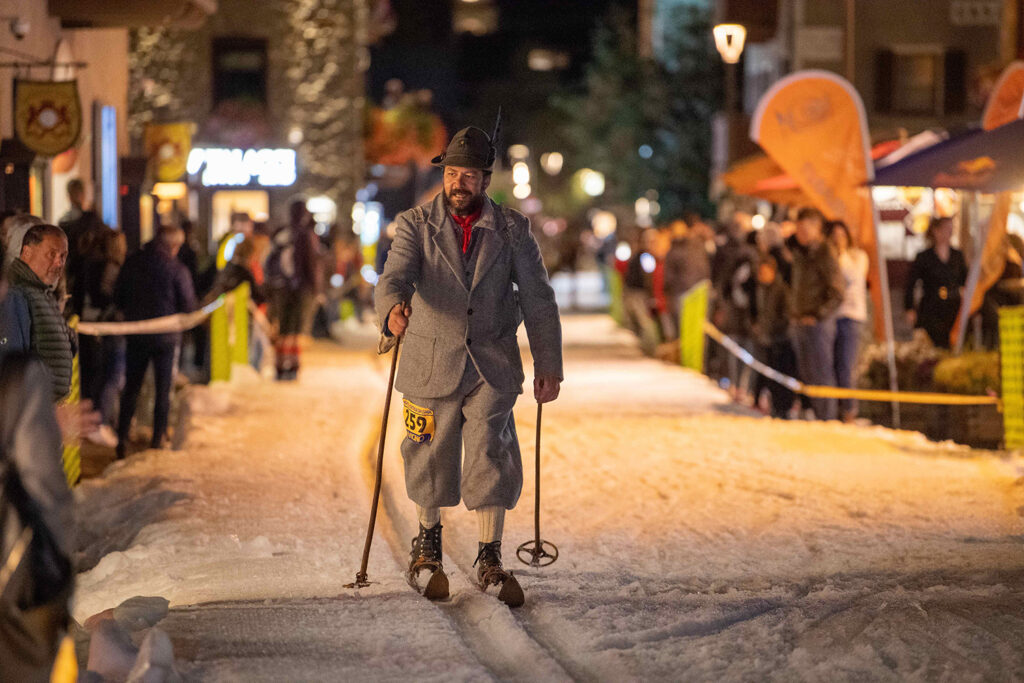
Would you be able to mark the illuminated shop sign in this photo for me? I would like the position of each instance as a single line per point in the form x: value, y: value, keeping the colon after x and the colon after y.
x: 219, y: 166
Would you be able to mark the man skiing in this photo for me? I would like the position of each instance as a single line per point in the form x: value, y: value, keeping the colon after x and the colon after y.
x: 462, y: 273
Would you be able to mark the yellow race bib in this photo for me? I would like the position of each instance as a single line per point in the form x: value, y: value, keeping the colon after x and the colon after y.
x: 419, y: 422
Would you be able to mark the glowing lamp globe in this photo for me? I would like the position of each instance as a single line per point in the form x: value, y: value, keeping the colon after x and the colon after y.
x: 729, y: 39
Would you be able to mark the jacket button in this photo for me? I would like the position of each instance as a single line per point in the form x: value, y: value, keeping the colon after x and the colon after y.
x: 468, y: 342
x: 469, y: 312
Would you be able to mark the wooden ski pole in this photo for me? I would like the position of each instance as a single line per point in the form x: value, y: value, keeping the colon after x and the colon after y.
x: 361, y: 579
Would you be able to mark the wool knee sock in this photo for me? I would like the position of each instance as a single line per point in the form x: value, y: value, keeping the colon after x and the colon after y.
x: 429, y: 517
x: 491, y: 522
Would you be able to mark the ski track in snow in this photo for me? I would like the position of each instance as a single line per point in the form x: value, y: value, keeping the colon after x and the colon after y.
x: 697, y: 541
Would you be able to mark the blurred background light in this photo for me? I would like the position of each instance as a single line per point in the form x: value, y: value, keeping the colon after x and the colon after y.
x: 604, y: 224
x: 520, y: 173
x: 552, y: 163
x: 518, y: 152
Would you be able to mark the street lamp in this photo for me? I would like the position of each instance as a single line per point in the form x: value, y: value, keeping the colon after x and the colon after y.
x: 729, y: 40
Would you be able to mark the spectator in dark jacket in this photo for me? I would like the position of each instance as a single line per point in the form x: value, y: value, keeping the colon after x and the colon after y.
x: 34, y: 609
x: 637, y: 291
x: 686, y: 264
x: 942, y: 272
x: 772, y: 333
x: 189, y: 253
x: 101, y: 359
x: 816, y: 294
x: 32, y: 319
x: 152, y: 284
x: 295, y: 279
x: 732, y: 272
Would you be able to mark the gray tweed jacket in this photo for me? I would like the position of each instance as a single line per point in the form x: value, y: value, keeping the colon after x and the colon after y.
x: 456, y: 313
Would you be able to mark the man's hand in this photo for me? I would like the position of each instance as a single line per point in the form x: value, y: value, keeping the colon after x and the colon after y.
x: 398, y: 319
x: 77, y: 420
x: 546, y: 388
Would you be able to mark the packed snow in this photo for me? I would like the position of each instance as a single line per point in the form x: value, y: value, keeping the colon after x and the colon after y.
x: 698, y: 541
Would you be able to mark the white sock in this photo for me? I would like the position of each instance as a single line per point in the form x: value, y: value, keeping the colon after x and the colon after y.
x: 429, y: 517
x: 491, y: 522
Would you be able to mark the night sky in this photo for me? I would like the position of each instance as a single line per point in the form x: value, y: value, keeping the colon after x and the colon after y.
x: 471, y: 75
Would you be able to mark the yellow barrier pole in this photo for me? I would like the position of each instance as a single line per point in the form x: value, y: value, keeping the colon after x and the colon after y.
x: 693, y: 312
x: 1011, y: 361
x: 220, y: 356
x: 240, y: 348
x: 615, y: 308
x: 220, y: 344
x: 72, y: 456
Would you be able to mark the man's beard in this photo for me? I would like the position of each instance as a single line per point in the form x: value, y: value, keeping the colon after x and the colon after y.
x: 462, y: 203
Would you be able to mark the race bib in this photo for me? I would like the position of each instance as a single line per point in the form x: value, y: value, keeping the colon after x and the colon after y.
x: 419, y: 422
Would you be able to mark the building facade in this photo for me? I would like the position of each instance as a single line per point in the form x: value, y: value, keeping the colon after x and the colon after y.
x: 917, y: 65
x: 276, y: 86
x: 35, y: 45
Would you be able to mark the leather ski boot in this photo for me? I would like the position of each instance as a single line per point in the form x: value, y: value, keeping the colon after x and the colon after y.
x: 490, y: 573
x: 426, y: 555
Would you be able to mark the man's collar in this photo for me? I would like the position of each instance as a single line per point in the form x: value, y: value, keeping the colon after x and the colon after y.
x: 439, y: 213
x: 23, y: 273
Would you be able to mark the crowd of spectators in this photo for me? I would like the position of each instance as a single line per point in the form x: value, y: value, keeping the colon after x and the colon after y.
x: 794, y: 293
x: 81, y: 269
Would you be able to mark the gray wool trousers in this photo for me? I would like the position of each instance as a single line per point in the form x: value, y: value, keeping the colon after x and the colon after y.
x: 475, y: 415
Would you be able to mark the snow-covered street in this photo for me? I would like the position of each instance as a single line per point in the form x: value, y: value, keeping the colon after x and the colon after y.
x: 698, y: 541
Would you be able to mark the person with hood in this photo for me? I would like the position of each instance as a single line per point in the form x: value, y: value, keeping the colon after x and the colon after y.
x: 33, y: 320
x: 36, y: 519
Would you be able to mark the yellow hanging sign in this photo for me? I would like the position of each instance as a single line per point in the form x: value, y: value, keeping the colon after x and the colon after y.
x: 167, y: 148
x: 47, y: 115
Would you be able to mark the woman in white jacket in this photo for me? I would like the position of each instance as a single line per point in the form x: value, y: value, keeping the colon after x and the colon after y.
x: 852, y: 313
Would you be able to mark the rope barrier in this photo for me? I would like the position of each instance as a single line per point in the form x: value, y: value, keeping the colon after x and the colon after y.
x: 179, y: 322
x: 815, y: 391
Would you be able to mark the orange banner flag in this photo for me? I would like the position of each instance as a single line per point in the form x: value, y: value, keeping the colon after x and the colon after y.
x: 1004, y: 102
x: 1004, y: 106
x: 812, y: 123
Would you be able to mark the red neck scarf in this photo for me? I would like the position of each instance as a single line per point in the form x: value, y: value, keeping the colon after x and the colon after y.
x: 466, y: 223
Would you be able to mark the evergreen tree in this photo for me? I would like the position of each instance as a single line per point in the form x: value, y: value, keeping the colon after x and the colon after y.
x: 646, y: 124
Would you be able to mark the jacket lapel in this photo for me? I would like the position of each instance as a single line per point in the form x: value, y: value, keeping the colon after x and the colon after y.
x: 490, y: 241
x: 445, y: 241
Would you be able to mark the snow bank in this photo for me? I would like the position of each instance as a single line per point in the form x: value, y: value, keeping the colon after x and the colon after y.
x: 698, y: 542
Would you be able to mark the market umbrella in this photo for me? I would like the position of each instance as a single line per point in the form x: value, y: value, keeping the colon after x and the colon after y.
x: 749, y: 176
x: 759, y: 176
x: 981, y: 160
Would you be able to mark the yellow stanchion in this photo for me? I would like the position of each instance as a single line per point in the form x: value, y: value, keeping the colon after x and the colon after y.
x: 693, y: 312
x: 615, y: 307
x: 240, y: 342
x: 1011, y: 360
x: 72, y: 456
x: 220, y: 354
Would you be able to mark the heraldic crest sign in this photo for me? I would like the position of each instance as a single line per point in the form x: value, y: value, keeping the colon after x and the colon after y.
x: 47, y: 115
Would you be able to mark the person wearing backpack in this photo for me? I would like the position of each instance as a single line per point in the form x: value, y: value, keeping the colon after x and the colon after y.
x: 294, y: 277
